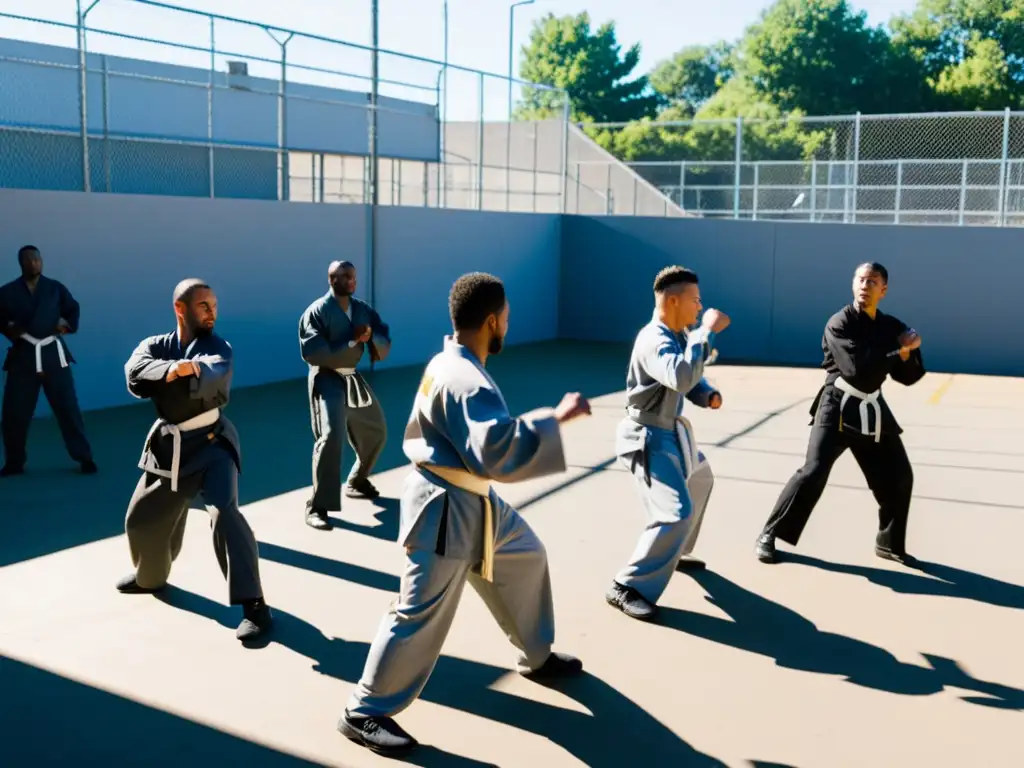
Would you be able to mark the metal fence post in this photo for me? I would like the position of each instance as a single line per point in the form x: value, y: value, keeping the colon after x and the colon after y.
x: 106, y: 124
x: 814, y: 190
x: 856, y: 164
x: 563, y: 161
x: 1004, y: 168
x: 83, y: 76
x: 283, y: 172
x: 737, y: 169
x: 682, y: 183
x: 535, y: 169
x: 899, y: 190
x: 963, y: 192
x: 209, y: 106
x: 480, y: 148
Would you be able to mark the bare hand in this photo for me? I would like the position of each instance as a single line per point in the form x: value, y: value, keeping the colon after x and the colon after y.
x: 572, y: 406
x: 716, y: 320
x: 715, y: 401
x: 183, y: 369
x: 910, y: 340
x: 362, y: 333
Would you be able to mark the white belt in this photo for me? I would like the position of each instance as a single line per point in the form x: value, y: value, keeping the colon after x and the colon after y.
x: 479, y: 486
x: 148, y: 462
x: 39, y: 344
x: 866, y: 399
x: 688, y: 444
x: 353, y: 396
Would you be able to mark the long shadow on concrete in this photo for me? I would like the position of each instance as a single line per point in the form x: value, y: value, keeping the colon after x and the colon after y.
x: 764, y: 627
x: 94, y: 727
x: 607, y: 734
x: 53, y: 508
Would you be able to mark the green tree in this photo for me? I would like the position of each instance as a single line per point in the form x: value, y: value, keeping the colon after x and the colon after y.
x: 692, y: 76
x: 820, y: 56
x: 971, y: 52
x: 590, y: 65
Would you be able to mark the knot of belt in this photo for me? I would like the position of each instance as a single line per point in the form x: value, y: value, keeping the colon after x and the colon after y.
x: 357, y: 394
x: 40, y: 343
x: 479, y: 486
x: 866, y: 399
x: 148, y: 461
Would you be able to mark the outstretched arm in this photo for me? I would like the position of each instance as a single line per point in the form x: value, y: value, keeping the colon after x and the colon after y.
x: 493, y: 444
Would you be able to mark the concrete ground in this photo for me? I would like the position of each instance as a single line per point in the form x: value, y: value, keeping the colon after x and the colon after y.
x: 833, y: 658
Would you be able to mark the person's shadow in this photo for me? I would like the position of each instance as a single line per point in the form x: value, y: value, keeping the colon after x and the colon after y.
x: 610, y: 733
x: 946, y: 580
x: 761, y: 626
x: 387, y: 516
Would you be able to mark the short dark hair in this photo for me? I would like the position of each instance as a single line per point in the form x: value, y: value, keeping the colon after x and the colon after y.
x: 26, y: 249
x: 341, y: 265
x: 875, y: 267
x: 473, y: 298
x: 185, y: 290
x: 675, y: 275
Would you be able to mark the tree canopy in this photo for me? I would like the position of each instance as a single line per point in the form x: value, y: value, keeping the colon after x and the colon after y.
x: 800, y: 57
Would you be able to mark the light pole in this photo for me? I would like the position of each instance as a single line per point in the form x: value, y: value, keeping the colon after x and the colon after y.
x: 442, y: 182
x: 511, y: 59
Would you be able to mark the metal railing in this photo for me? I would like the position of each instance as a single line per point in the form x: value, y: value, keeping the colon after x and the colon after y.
x: 120, y: 120
x: 957, y: 169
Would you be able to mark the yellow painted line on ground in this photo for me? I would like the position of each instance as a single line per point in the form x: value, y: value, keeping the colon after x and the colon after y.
x: 941, y: 390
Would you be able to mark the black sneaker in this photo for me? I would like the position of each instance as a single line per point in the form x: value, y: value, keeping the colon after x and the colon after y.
x: 630, y: 602
x: 129, y: 586
x: 897, y: 557
x: 378, y: 734
x: 89, y: 467
x: 10, y: 470
x: 361, y: 488
x: 557, y: 665
x: 257, y: 620
x: 765, y: 549
x: 317, y: 518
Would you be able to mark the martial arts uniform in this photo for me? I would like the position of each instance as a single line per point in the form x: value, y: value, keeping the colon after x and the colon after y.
x: 849, y: 411
x: 192, y: 448
x: 455, y: 528
x: 40, y: 357
x: 656, y: 443
x: 340, y: 400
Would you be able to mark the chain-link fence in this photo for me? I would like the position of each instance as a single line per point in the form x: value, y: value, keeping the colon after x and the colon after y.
x: 139, y: 97
x: 950, y: 168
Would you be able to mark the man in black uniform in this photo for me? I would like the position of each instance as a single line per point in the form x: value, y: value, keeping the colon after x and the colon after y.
x: 192, y: 449
x: 862, y: 346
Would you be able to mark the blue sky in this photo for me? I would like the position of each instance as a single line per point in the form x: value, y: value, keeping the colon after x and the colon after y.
x: 478, y: 35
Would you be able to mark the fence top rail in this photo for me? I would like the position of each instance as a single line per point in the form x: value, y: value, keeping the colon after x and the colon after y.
x: 309, y: 36
x: 851, y: 161
x: 732, y: 121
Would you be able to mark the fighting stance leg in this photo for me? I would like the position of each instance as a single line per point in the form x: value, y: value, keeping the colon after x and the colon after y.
x: 700, y: 484
x: 59, y: 388
x: 327, y: 410
x: 520, y: 596
x: 890, y: 477
x: 367, y: 433
x: 669, y: 510
x: 800, y: 495
x: 405, y: 650
x: 155, y: 526
x: 21, y: 394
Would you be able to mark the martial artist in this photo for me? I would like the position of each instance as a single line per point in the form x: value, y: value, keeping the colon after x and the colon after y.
x: 191, y: 449
x: 461, y: 438
x: 862, y: 346
x: 334, y: 331
x: 35, y: 315
x: 656, y: 443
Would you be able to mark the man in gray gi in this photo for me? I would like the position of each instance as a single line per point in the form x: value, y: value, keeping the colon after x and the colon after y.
x: 35, y: 315
x: 191, y: 449
x: 657, y: 444
x: 454, y: 527
x: 333, y: 333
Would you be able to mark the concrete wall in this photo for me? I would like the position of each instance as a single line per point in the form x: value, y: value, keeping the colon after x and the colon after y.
x: 958, y: 286
x: 121, y: 256
x: 133, y: 98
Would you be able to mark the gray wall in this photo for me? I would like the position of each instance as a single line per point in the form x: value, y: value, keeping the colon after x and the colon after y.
x: 960, y: 287
x: 121, y: 255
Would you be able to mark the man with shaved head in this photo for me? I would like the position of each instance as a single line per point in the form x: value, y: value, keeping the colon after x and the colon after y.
x: 192, y: 449
x: 334, y: 331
